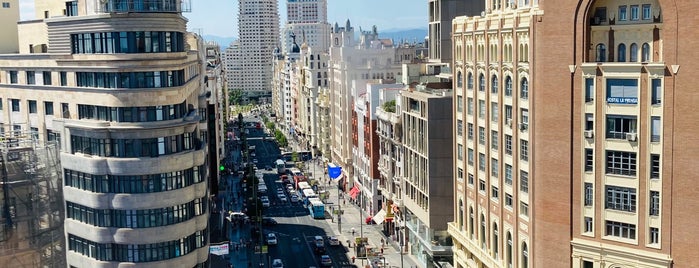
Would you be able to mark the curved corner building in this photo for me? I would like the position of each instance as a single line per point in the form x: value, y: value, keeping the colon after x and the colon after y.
x: 119, y: 83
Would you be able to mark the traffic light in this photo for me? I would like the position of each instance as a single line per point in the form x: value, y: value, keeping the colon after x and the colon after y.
x: 222, y: 168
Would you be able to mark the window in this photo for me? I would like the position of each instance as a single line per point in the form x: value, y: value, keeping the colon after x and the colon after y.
x: 589, y: 159
x: 635, y: 12
x: 470, y: 179
x: 494, y: 112
x: 469, y: 129
x: 31, y: 80
x: 496, y: 241
x: 620, y: 198
x: 508, y: 115
x: 459, y: 79
x: 494, y: 140
x: 588, y: 224
x: 481, y: 162
x: 524, y: 181
x: 459, y: 127
x: 47, y: 78
x: 508, y: 144
x: 633, y: 54
x: 64, y: 79
x: 655, y: 129
x: 618, y: 126
x: 1, y: 107
x: 494, y: 192
x: 600, y: 15
x: 13, y: 77
x: 620, y: 229
x: 589, y: 194
x: 15, y: 105
x: 460, y: 174
x: 656, y: 93
x: 601, y: 53
x: 622, y: 91
x: 481, y: 109
x: 481, y: 135
x: 655, y: 166
x: 621, y: 163
x: 509, y: 250
x: 525, y: 256
x: 494, y: 168
x: 524, y: 118
x: 645, y: 52
x: 5, y: 4
x: 622, y: 13
x: 524, y: 150
x: 508, y: 174
x: 589, y: 122
x: 470, y: 157
x: 32, y: 106
x: 508, y: 200
x: 654, y: 206
x: 646, y: 12
x: 494, y: 85
x: 621, y: 53
x: 523, y: 209
x: 469, y: 106
x: 469, y: 81
x: 589, y: 89
x: 508, y: 86
x: 72, y: 8
x: 48, y: 108
x: 482, y: 232
x: 524, y: 89
x: 459, y: 103
x: 654, y: 235
x: 481, y: 83
x: 460, y: 152
x: 470, y: 222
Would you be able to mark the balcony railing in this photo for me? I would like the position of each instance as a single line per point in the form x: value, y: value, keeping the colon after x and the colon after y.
x: 143, y: 6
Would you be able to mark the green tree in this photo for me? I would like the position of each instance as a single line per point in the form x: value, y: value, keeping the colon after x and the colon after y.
x: 390, y: 106
x: 235, y: 96
x: 295, y: 156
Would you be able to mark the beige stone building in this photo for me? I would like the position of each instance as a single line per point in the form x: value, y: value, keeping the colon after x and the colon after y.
x: 122, y: 89
x: 9, y: 16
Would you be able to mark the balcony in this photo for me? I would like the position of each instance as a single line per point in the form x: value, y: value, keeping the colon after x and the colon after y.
x: 143, y: 6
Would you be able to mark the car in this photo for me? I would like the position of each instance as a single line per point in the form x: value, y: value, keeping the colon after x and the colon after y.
x: 294, y: 198
x: 319, y: 248
x: 268, y: 221
x: 268, y: 168
x: 283, y: 198
x: 252, y: 154
x: 254, y: 161
x: 277, y: 263
x: 325, y: 260
x: 280, y: 191
x: 271, y: 239
x: 333, y: 241
x: 265, y: 203
x: 318, y: 239
x: 289, y: 187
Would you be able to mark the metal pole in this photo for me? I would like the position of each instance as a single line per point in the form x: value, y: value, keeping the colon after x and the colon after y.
x: 361, y: 220
x: 339, y: 206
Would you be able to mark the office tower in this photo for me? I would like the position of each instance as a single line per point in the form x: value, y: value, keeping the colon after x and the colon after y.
x: 308, y: 20
x: 440, y: 15
x: 258, y: 33
x: 9, y: 16
x: 122, y: 90
x: 306, y: 11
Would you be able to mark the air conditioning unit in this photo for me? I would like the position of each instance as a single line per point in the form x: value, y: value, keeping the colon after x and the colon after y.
x: 523, y: 126
x: 631, y: 136
x: 509, y: 122
x: 589, y: 134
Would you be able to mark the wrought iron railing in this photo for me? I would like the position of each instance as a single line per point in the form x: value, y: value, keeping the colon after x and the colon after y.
x: 143, y: 6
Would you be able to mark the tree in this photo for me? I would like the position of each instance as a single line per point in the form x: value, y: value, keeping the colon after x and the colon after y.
x: 235, y: 96
x: 295, y: 156
x: 389, y: 106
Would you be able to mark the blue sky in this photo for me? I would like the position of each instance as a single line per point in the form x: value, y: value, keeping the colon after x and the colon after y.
x: 218, y: 17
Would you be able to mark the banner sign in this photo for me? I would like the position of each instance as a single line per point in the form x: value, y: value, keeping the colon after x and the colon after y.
x: 334, y: 171
x: 221, y: 249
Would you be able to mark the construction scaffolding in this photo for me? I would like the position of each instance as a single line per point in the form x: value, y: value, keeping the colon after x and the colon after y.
x: 31, y: 227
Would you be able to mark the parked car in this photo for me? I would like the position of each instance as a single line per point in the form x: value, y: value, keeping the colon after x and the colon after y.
x: 282, y: 198
x: 271, y: 239
x: 277, y: 263
x: 265, y: 203
x: 325, y: 260
x: 268, y: 221
x: 294, y: 198
x: 333, y: 241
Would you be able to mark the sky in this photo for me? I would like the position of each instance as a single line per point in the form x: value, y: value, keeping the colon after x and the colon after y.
x: 218, y: 17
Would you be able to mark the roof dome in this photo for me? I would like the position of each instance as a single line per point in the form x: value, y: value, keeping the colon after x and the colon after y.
x: 295, y: 48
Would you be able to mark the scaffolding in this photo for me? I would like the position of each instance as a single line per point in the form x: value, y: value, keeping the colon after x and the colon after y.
x: 31, y: 200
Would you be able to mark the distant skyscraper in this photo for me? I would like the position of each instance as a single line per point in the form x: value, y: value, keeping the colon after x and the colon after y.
x: 258, y: 30
x: 308, y: 21
x: 305, y: 11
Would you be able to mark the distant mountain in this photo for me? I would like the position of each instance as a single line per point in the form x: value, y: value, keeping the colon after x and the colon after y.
x: 223, y: 42
x: 410, y: 35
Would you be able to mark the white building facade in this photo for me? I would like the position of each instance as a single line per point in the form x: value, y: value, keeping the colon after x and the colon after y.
x: 258, y: 30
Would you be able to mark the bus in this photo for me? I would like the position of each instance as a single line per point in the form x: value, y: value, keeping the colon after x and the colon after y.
x: 281, y: 166
x: 303, y: 186
x: 295, y: 171
x: 302, y: 155
x: 316, y: 208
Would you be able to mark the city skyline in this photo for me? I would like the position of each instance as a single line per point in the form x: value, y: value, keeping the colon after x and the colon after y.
x: 210, y: 17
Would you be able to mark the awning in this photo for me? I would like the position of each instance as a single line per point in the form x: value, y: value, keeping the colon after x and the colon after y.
x: 379, y: 217
x: 354, y: 191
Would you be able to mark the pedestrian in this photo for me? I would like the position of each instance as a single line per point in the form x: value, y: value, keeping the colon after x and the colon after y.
x: 352, y: 231
x: 382, y: 250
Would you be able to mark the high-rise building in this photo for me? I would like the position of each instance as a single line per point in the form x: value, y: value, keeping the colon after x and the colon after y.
x: 440, y: 15
x: 308, y: 20
x: 258, y: 33
x: 9, y: 16
x: 122, y: 89
x: 306, y: 11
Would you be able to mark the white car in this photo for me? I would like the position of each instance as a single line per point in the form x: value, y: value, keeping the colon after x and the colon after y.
x: 283, y: 198
x: 294, y: 198
x: 271, y: 239
x: 333, y: 241
x: 265, y: 203
x: 277, y: 263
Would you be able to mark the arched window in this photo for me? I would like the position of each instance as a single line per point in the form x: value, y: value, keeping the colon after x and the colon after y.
x: 336, y: 41
x: 508, y: 250
x: 621, y: 57
x: 481, y: 83
x: 524, y: 89
x: 470, y: 222
x: 645, y: 52
x: 601, y: 53
x: 496, y: 241
x: 633, y: 53
x: 525, y: 255
x: 508, y: 86
x: 461, y: 215
x: 483, y: 242
x: 459, y: 80
x: 494, y: 85
x: 469, y: 81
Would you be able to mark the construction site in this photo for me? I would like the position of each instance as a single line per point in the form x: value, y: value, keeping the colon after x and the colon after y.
x: 31, y: 222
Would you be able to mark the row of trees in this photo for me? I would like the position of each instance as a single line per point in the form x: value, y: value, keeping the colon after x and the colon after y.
x: 278, y: 134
